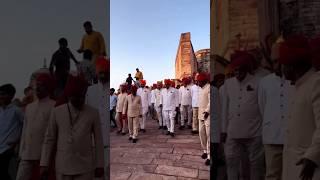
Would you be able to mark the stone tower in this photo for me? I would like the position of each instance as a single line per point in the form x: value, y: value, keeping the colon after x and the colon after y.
x: 186, y: 62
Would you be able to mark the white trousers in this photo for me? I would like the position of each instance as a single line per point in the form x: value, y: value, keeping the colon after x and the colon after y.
x: 168, y: 116
x: 204, y: 134
x: 186, y: 113
x: 144, y: 117
x: 233, y: 151
x: 159, y: 115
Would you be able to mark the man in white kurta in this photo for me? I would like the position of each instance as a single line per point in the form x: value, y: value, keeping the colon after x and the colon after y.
x: 97, y: 97
x: 72, y: 131
x: 195, y: 107
x: 35, y: 124
x: 302, y: 145
x: 169, y: 101
x: 133, y: 110
x: 185, y: 101
x: 121, y: 119
x: 242, y: 120
x: 145, y: 95
x: 273, y: 97
x: 156, y: 104
x: 204, y: 115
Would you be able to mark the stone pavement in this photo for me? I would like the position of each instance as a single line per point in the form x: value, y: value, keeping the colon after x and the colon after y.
x: 156, y: 156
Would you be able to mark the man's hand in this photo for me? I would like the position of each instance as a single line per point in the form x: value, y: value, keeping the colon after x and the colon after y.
x: 124, y: 116
x: 44, y: 171
x: 308, y: 168
x: 99, y: 172
x: 206, y: 115
x: 223, y: 137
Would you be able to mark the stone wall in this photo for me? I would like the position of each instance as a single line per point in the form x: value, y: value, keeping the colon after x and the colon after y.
x: 300, y: 16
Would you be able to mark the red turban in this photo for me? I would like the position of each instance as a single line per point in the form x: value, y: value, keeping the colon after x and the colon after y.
x: 154, y: 85
x: 293, y: 50
x: 203, y: 77
x: 143, y: 82
x: 76, y: 85
x: 241, y: 58
x: 134, y: 88
x: 102, y: 65
x: 167, y: 82
x: 124, y: 87
x: 47, y: 81
x: 186, y: 80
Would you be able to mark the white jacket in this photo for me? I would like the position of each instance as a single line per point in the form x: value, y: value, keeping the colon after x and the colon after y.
x: 169, y: 99
x: 145, y: 95
x: 195, y: 95
x: 274, y: 93
x: 204, y: 101
x: 185, y: 96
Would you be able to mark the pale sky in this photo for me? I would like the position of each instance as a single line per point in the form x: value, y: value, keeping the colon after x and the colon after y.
x: 146, y: 33
x: 30, y: 30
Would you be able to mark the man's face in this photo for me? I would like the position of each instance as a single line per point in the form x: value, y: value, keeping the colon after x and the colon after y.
x: 63, y: 45
x: 143, y: 86
x: 41, y: 90
x: 5, y: 99
x: 137, y: 70
x: 167, y: 86
x: 88, y: 29
x: 240, y: 73
x: 202, y: 83
x: 103, y: 77
x: 111, y: 92
x: 78, y: 100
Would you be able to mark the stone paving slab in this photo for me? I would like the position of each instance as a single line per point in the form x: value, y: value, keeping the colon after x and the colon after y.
x: 157, y: 156
x: 177, y: 171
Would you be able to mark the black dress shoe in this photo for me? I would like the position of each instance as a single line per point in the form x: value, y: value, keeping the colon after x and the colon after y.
x: 165, y: 127
x: 168, y: 133
x: 204, y: 156
x: 130, y: 138
x: 143, y: 130
x: 134, y: 141
x: 181, y: 127
x: 123, y: 133
x: 207, y: 163
x: 189, y: 127
x: 160, y: 127
x: 194, y: 132
x: 172, y: 134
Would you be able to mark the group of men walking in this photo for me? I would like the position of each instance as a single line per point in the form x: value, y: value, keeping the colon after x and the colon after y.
x: 192, y: 101
x: 62, y: 133
x: 269, y: 120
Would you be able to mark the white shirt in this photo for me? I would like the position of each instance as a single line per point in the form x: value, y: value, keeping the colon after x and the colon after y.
x: 144, y: 93
x: 113, y: 101
x: 204, y: 101
x: 169, y: 99
x: 240, y: 114
x: 120, y: 103
x: 185, y: 96
x: 152, y: 100
x: 156, y: 97
x: 274, y: 93
x: 195, y: 95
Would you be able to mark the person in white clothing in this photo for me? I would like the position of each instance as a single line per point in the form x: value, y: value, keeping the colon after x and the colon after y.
x: 121, y: 119
x: 242, y: 120
x: 204, y: 115
x: 144, y: 93
x: 169, y: 101
x: 195, y: 107
x: 274, y: 92
x: 97, y: 97
x: 156, y: 103
x: 185, y: 101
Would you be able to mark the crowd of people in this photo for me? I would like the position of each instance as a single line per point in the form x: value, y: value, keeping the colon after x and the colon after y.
x: 269, y: 120
x: 167, y: 102
x: 59, y: 130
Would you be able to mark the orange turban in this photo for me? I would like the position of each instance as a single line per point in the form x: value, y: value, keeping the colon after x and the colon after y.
x: 102, y: 65
x: 167, y: 82
x: 241, y: 58
x: 47, y: 81
x: 143, y: 82
x: 294, y: 49
x: 203, y: 77
x: 76, y: 85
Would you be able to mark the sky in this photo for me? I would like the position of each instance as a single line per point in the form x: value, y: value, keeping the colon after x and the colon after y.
x: 30, y: 31
x: 145, y: 34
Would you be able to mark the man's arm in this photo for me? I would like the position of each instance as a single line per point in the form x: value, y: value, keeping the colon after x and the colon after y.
x: 50, y: 141
x: 102, y: 45
x: 52, y: 63
x: 125, y: 106
x: 72, y: 57
x: 98, y: 140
